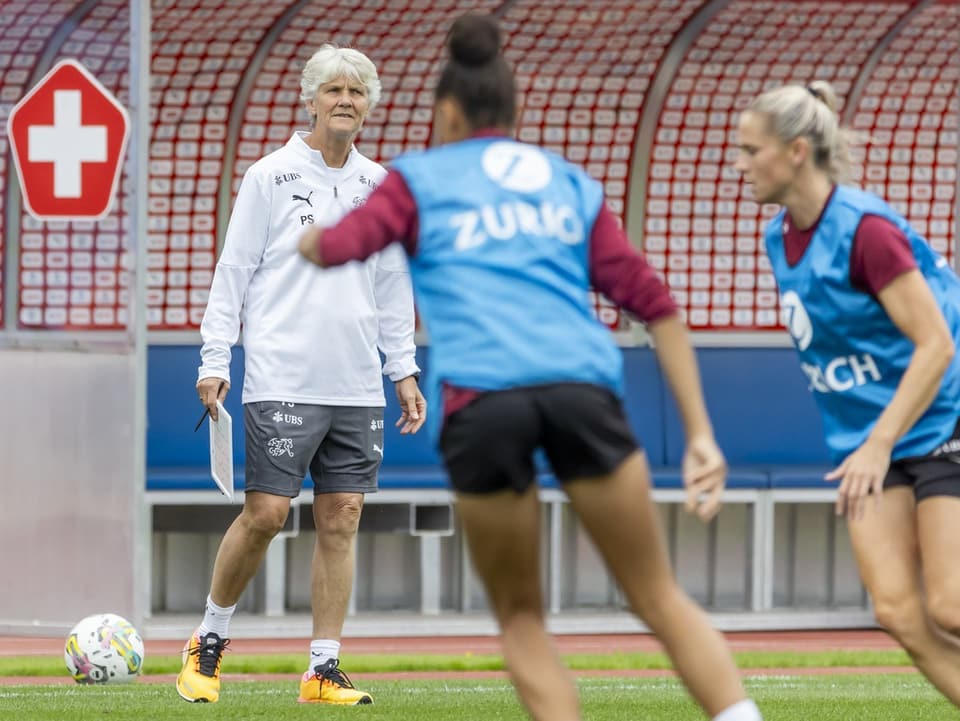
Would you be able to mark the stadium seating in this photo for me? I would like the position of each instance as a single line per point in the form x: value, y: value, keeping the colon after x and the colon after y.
x: 701, y: 227
x: 584, y: 71
x: 909, y: 110
x: 28, y: 27
x: 72, y: 274
x: 200, y: 55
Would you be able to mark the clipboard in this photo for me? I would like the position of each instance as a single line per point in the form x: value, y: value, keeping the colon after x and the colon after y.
x: 221, y: 451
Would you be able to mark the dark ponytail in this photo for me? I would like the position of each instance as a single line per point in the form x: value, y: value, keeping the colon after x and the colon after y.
x: 477, y: 75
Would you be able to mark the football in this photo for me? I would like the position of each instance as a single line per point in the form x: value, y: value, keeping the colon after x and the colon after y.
x: 104, y: 648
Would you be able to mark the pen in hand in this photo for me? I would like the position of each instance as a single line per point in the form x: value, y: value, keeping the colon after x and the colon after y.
x: 206, y: 411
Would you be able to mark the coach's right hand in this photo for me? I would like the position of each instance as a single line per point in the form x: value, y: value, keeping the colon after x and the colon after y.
x: 212, y: 390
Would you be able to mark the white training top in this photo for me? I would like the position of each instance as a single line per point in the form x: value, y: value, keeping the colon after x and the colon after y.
x: 310, y: 335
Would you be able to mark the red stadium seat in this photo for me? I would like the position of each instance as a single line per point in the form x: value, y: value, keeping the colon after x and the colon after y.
x: 30, y: 23
x: 742, y: 52
x: 909, y: 105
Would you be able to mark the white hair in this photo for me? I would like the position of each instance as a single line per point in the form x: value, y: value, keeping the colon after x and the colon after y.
x: 797, y: 111
x: 331, y: 62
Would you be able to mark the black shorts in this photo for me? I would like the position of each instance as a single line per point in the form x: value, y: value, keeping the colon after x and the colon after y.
x: 935, y: 474
x: 490, y: 444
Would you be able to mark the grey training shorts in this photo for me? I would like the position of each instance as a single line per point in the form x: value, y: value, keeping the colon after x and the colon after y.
x: 341, y: 446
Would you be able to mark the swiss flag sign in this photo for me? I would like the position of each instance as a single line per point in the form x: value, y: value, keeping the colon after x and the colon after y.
x: 68, y: 136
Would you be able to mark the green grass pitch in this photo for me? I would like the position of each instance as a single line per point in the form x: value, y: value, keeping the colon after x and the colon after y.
x: 895, y: 697
x: 786, y: 696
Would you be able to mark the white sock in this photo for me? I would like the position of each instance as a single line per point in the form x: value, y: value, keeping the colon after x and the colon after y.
x: 745, y: 710
x: 322, y: 650
x: 216, y: 619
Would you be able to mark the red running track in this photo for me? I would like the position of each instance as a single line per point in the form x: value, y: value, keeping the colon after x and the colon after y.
x: 485, y: 645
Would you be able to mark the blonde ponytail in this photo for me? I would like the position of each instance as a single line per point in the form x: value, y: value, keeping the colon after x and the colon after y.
x: 796, y: 111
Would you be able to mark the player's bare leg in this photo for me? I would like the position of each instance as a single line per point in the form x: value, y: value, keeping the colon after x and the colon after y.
x: 619, y: 515
x: 888, y: 553
x: 503, y: 535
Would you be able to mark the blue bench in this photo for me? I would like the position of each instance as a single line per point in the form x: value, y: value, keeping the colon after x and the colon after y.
x: 764, y: 418
x: 178, y: 457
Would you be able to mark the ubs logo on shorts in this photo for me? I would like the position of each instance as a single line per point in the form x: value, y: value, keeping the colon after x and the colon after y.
x: 287, y: 418
x: 376, y: 425
x: 279, y: 446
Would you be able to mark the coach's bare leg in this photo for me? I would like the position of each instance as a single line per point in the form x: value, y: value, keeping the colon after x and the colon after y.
x: 888, y: 554
x: 244, y: 545
x: 618, y: 513
x: 337, y: 518
x: 503, y: 535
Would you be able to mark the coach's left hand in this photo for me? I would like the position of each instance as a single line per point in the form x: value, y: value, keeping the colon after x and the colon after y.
x: 413, y: 406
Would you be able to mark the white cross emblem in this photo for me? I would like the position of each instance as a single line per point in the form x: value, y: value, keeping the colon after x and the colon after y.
x: 67, y: 144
